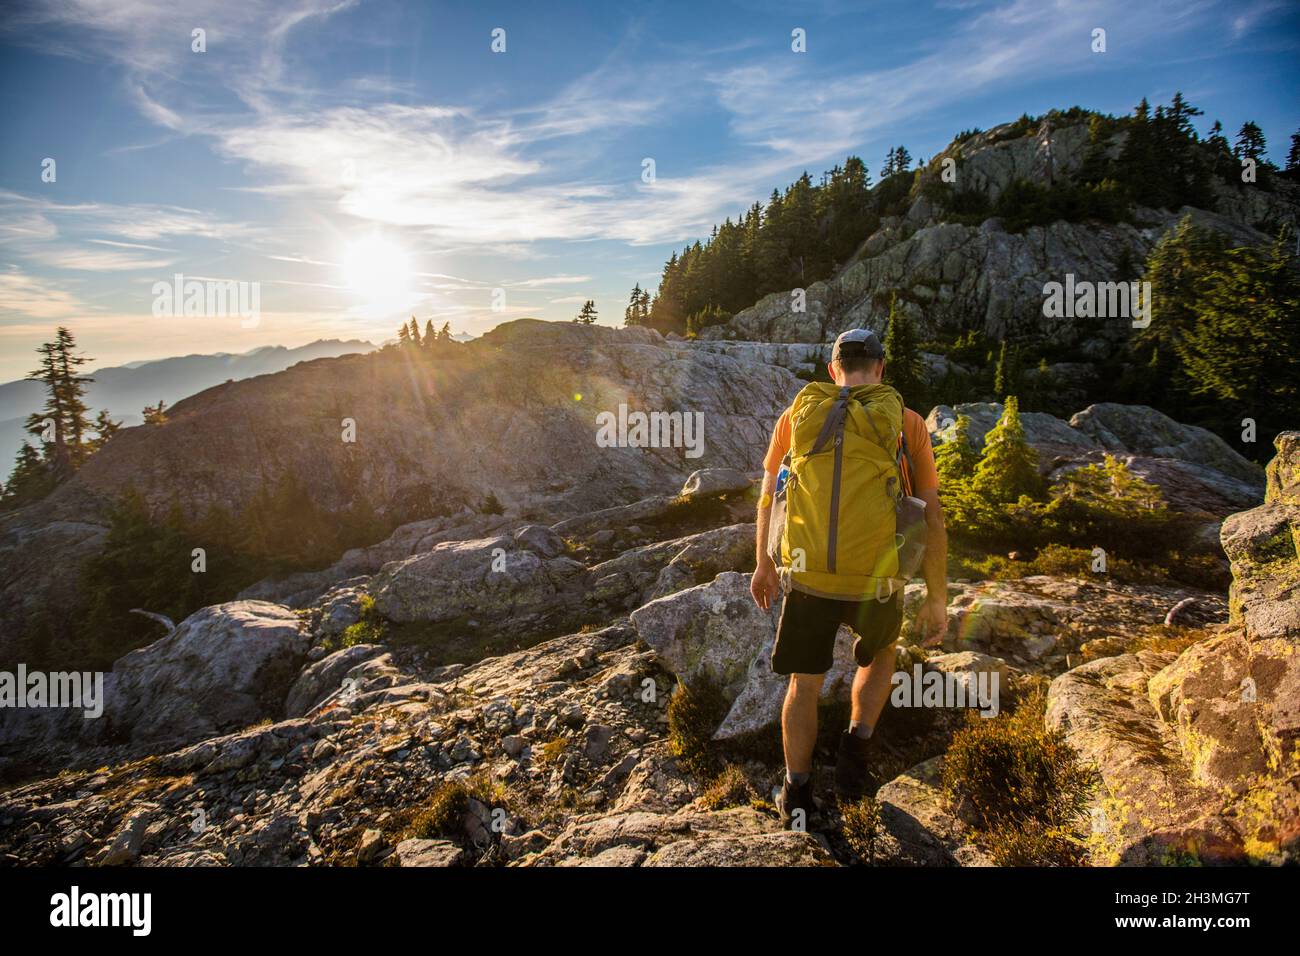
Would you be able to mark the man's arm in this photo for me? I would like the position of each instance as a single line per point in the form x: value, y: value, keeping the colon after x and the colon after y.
x: 765, y: 584
x: 932, y: 617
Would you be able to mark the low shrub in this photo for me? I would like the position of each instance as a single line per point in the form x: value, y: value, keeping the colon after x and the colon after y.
x: 1011, y: 772
x: 694, y: 713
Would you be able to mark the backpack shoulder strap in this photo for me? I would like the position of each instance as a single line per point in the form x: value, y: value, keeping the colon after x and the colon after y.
x: 834, y: 422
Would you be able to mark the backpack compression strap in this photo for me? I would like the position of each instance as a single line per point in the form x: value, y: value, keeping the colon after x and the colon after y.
x: 901, y: 454
x: 833, y: 427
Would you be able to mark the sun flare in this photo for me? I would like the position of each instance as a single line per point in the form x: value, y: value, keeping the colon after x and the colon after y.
x: 378, y: 271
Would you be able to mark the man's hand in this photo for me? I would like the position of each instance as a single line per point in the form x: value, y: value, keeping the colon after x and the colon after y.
x: 765, y: 585
x: 932, y: 620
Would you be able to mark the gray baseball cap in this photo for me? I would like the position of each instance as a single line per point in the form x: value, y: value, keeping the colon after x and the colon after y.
x: 857, y: 343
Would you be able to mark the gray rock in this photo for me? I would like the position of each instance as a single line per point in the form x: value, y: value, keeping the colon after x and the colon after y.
x: 224, y: 666
x: 1144, y: 431
x: 540, y: 540
x: 371, y: 848
x: 126, y: 845
x: 715, y: 481
x: 489, y: 578
x: 325, y: 676
x: 414, y: 852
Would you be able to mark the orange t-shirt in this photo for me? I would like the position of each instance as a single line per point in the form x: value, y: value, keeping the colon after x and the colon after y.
x: 918, y: 447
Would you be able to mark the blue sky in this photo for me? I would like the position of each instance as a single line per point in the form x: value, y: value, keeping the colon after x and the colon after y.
x: 367, y: 160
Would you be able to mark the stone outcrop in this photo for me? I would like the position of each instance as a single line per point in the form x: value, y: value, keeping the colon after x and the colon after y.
x: 1198, y: 750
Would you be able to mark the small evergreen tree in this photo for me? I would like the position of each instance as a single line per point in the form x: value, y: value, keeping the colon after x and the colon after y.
x: 956, y: 459
x: 1008, y: 469
x: 903, y: 366
x: 29, y: 481
x: 1001, y: 373
x: 155, y: 414
x: 105, y: 428
x: 587, y: 315
x: 632, y: 314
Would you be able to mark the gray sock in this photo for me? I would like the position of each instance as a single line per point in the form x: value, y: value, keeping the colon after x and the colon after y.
x: 859, y: 729
x: 797, y: 779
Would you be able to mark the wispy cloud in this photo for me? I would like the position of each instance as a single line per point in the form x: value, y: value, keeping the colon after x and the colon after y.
x: 25, y: 295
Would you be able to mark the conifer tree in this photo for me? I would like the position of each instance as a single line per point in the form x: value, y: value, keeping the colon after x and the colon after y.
x: 903, y: 366
x: 65, y: 408
x: 1250, y: 142
x: 956, y: 459
x: 29, y: 481
x: 1008, y: 469
x: 155, y: 414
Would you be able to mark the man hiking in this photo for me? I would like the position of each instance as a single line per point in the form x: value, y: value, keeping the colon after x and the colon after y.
x: 857, y: 461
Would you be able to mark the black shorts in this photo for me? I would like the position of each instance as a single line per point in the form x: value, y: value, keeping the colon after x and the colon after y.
x: 805, y: 637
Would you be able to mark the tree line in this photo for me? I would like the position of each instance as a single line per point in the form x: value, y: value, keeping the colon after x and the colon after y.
x: 811, y: 230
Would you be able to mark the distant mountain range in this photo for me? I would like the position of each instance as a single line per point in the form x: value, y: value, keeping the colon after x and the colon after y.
x: 126, y: 389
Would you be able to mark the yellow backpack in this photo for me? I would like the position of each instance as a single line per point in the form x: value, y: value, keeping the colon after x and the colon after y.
x: 841, y: 496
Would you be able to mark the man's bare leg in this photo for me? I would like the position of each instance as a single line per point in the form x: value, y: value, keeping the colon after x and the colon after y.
x: 871, y: 686
x: 799, y: 721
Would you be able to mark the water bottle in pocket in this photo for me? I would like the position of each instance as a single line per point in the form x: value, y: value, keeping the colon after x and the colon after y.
x: 909, y: 534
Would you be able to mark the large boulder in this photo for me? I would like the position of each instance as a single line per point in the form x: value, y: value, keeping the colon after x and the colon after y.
x: 1141, y: 430
x: 715, y: 631
x: 223, y: 667
x: 1049, y: 435
x: 488, y: 579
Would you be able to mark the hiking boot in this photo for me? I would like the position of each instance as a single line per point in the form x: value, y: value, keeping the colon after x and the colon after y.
x: 793, y: 798
x: 852, y: 770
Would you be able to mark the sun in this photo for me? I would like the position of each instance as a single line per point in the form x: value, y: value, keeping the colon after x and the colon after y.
x: 378, y: 271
